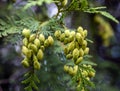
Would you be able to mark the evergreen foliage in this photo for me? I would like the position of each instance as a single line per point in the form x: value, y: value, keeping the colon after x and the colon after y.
x: 54, y: 58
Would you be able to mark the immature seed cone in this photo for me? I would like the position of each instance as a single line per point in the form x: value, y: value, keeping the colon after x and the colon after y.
x: 72, y: 33
x: 37, y: 65
x: 66, y: 68
x: 50, y: 39
x: 34, y: 48
x: 81, y: 52
x: 42, y: 38
x: 40, y: 55
x: 80, y: 30
x: 35, y: 58
x: 77, y: 45
x: 42, y: 48
x: 79, y: 38
x: 69, y: 56
x: 24, y: 50
x: 88, y: 78
x: 26, y: 33
x: 29, y: 54
x: 64, y: 2
x: 75, y: 54
x: 71, y: 46
x: 29, y: 44
x: 85, y: 33
x: 46, y: 43
x: 25, y: 63
x: 70, y: 71
x: 37, y: 42
x: 84, y: 45
x: 75, y: 69
x: 67, y: 33
x: 66, y: 40
x: 62, y: 37
x: 85, y: 73
x: 25, y: 41
x: 72, y: 36
x: 86, y: 51
x: 78, y: 60
x: 57, y: 34
x: 91, y: 74
x: 32, y: 37
x: 66, y: 51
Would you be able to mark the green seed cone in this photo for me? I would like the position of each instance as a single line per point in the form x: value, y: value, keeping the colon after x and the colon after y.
x: 37, y: 65
x: 25, y: 63
x: 66, y: 40
x: 79, y: 38
x: 86, y: 51
x: 37, y: 42
x: 66, y: 68
x: 85, y: 73
x: 72, y: 33
x: 40, y: 55
x: 91, y: 74
x: 26, y: 33
x: 46, y: 43
x: 57, y: 34
x: 70, y: 71
x: 80, y: 30
x: 35, y: 58
x: 78, y: 60
x: 75, y: 54
x: 25, y: 50
x: 84, y: 45
x: 25, y: 41
x: 72, y: 36
x: 34, y: 48
x: 85, y: 33
x: 32, y: 37
x: 69, y: 56
x: 75, y: 68
x: 71, y: 46
x: 29, y: 54
x: 77, y: 45
x: 66, y: 51
x: 81, y: 52
x: 42, y: 38
x: 42, y: 48
x: 50, y: 39
x: 62, y: 37
x: 64, y: 2
x: 29, y: 44
x: 67, y: 33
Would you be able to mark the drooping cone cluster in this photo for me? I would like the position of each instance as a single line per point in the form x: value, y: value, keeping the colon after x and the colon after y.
x: 75, y: 49
x: 71, y: 70
x: 33, y: 47
x: 76, y: 44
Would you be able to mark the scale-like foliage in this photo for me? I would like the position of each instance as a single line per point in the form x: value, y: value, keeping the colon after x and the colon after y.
x: 7, y: 27
x: 31, y: 3
x: 98, y: 10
